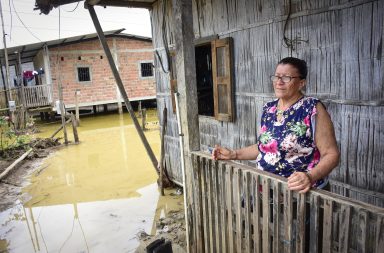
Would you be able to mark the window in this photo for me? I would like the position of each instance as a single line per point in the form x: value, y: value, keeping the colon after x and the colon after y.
x: 214, y: 79
x: 83, y: 74
x: 146, y: 69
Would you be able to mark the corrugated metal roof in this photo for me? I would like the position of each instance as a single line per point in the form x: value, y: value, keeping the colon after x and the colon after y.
x: 28, y: 52
x: 45, y: 6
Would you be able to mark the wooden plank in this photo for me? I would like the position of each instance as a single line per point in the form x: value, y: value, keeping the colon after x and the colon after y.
x: 191, y: 207
x: 362, y: 232
x: 223, y: 206
x: 327, y: 226
x: 288, y: 218
x: 276, y: 216
x: 230, y: 233
x: 239, y: 216
x: 247, y: 207
x: 197, y: 185
x: 205, y: 205
x: 301, y: 217
x: 211, y: 211
x: 314, y: 224
x: 217, y: 206
x: 266, y: 214
x: 379, y: 240
x: 344, y: 226
x: 256, y: 213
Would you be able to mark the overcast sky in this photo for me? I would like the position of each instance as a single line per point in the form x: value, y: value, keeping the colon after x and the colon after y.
x: 23, y: 25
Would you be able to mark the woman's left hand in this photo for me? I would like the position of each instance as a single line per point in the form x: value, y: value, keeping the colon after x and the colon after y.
x: 299, y: 181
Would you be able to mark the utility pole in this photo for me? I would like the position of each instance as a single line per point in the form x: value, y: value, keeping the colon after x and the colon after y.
x: 24, y: 108
x: 6, y: 84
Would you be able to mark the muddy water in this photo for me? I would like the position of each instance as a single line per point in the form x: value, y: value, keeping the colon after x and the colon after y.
x: 92, y: 197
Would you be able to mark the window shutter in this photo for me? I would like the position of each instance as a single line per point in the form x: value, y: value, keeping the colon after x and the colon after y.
x: 222, y: 79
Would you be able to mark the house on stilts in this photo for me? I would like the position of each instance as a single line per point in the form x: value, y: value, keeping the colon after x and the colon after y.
x: 218, y: 55
x: 80, y: 65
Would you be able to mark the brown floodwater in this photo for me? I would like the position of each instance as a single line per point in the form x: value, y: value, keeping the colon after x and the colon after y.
x: 92, y: 197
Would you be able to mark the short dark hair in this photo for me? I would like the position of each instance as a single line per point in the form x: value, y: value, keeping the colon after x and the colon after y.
x: 299, y: 64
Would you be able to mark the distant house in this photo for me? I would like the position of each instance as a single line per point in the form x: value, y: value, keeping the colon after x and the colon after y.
x: 80, y: 64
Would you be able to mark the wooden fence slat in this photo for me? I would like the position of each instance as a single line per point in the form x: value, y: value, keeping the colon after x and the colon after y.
x: 327, y: 226
x: 229, y: 177
x: 379, y: 234
x: 256, y: 213
x: 300, y: 230
x: 192, y: 209
x: 247, y: 206
x: 276, y: 216
x: 314, y: 224
x: 345, y: 220
x: 362, y: 234
x: 199, y: 235
x: 223, y: 206
x: 239, y: 222
x: 288, y: 211
x: 266, y: 214
x: 217, y: 207
x: 205, y: 204
x: 211, y: 211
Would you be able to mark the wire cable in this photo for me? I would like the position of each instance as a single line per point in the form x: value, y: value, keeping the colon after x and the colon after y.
x: 10, y: 13
x: 75, y: 8
x: 290, y: 43
x: 17, y: 14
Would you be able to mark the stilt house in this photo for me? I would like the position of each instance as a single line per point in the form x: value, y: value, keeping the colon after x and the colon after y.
x: 218, y: 56
x: 80, y: 66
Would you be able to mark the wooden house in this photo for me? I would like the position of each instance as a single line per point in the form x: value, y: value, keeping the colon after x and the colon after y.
x: 80, y: 65
x: 218, y: 56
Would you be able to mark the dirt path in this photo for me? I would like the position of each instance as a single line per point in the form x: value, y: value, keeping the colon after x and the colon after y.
x: 12, y: 184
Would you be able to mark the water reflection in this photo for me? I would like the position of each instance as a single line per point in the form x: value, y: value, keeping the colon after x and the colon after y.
x: 92, y: 197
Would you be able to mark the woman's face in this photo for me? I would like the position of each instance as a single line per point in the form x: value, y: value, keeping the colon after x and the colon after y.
x: 291, y: 89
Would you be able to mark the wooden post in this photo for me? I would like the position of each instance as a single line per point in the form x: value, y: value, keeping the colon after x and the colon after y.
x: 187, y: 94
x: 139, y: 110
x: 118, y: 94
x: 61, y: 127
x: 75, y: 134
x: 77, y: 93
x: 161, y: 163
x: 119, y: 83
x: 24, y: 107
x: 143, y: 118
x: 62, y: 109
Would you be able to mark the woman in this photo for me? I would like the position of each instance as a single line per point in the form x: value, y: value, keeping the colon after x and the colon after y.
x: 297, y: 138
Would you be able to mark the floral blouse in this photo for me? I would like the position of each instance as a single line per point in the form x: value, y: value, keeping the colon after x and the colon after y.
x: 286, y: 143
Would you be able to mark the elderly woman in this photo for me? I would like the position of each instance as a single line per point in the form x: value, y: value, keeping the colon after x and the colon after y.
x: 297, y: 138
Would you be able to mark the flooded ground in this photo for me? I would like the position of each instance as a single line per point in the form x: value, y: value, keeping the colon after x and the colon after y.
x: 93, y: 197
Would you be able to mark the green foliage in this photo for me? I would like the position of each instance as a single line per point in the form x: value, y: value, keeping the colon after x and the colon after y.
x: 9, y: 138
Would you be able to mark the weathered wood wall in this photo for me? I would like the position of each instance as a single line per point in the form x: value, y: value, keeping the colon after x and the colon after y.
x: 342, y: 41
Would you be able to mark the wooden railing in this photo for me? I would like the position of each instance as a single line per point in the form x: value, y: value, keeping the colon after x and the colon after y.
x: 37, y: 96
x: 15, y: 95
x: 236, y: 208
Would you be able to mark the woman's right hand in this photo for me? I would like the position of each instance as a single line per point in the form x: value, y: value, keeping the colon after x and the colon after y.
x: 221, y: 153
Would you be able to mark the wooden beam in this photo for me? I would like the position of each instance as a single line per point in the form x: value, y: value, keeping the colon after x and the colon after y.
x: 119, y: 83
x: 187, y: 92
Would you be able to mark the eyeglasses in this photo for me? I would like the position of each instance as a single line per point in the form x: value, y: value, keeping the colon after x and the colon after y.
x: 284, y: 79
